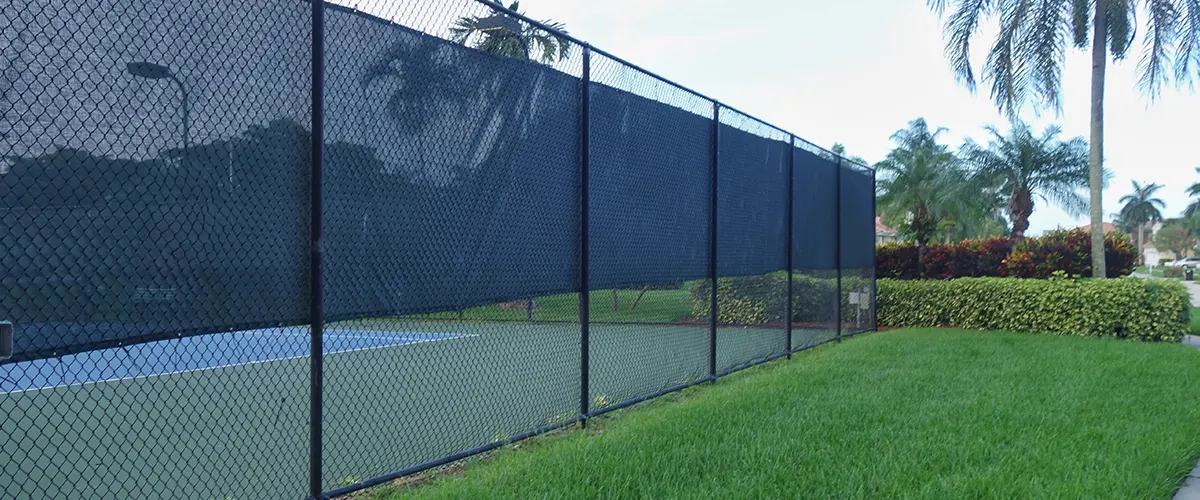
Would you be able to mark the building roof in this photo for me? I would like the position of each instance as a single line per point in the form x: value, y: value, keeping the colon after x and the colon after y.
x: 1108, y: 227
x: 882, y: 229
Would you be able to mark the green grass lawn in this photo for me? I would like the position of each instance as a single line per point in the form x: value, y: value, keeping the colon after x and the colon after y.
x: 1158, y: 271
x: 655, y: 306
x: 900, y: 414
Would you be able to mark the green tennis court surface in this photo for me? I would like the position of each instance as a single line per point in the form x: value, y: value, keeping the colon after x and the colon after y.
x: 413, y: 392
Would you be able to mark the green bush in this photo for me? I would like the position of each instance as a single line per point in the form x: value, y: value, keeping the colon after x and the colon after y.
x: 1172, y: 272
x: 1126, y: 308
x: 759, y: 300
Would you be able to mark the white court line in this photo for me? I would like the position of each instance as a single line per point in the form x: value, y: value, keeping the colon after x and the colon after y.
x: 338, y: 333
x: 450, y: 336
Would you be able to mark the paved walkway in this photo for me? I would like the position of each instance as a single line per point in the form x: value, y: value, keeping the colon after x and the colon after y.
x: 1191, y: 486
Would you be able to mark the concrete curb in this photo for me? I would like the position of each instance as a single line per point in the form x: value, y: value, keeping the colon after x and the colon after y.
x: 1190, y: 490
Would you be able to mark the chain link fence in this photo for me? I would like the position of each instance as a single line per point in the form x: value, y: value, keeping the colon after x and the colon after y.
x: 282, y: 249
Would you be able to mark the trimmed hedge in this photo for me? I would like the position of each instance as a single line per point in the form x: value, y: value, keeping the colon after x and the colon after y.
x: 1172, y: 272
x: 1142, y: 309
x: 1067, y: 250
x: 760, y: 300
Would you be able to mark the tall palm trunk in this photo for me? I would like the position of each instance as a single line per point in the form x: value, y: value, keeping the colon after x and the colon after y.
x: 1020, y: 207
x: 1096, y: 156
x: 1140, y: 245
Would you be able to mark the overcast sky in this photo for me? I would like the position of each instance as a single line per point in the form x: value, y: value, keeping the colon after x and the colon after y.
x: 855, y: 71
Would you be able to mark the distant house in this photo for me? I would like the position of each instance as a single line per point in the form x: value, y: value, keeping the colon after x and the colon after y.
x: 1108, y: 227
x: 884, y: 234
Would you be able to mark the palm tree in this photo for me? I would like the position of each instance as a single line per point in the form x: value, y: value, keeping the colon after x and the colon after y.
x: 923, y: 180
x: 982, y: 215
x: 1140, y: 208
x: 840, y: 150
x: 1025, y: 167
x: 508, y: 36
x: 1027, y: 58
x: 1119, y: 221
x: 1193, y: 208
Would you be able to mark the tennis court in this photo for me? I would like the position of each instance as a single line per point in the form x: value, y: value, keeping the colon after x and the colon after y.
x: 205, y: 352
x: 398, y: 393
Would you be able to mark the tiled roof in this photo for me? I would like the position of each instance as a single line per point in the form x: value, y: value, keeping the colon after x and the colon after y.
x: 880, y: 228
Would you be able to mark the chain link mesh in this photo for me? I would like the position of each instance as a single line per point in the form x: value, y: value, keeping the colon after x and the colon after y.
x: 155, y: 230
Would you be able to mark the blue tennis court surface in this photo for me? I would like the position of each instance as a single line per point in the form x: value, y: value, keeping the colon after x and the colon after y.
x: 201, y: 352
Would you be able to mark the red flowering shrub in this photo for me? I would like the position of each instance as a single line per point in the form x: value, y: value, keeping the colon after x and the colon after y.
x: 896, y: 260
x: 1067, y: 251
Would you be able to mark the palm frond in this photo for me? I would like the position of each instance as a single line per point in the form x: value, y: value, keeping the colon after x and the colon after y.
x: 1122, y: 26
x: 1071, y: 201
x: 1162, y: 33
x: 937, y: 6
x: 1187, y: 56
x: 463, y: 29
x: 1005, y: 67
x: 1045, y: 46
x: 1081, y: 15
x: 960, y: 27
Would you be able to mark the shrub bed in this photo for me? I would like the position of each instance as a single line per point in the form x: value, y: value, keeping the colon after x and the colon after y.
x: 1172, y: 272
x: 1143, y: 309
x: 1068, y: 251
x: 759, y: 300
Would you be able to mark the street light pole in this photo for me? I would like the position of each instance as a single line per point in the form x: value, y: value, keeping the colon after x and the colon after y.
x: 187, y: 122
x: 152, y: 71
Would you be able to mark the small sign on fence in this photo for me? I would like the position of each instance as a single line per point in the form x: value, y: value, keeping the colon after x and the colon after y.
x: 861, y: 298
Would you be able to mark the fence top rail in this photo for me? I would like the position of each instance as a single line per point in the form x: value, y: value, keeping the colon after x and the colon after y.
x: 496, y: 6
x: 506, y: 11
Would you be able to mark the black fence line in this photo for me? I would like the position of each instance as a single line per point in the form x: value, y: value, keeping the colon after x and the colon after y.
x: 317, y: 299
x: 585, y: 296
x: 497, y: 6
x: 580, y: 419
x: 586, y: 411
x: 316, y: 421
x: 874, y: 259
x: 791, y: 195
x: 837, y: 254
x: 712, y: 240
x: 378, y: 480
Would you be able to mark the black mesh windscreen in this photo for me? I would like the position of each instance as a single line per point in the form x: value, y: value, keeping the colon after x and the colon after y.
x: 752, y: 200
x: 857, y: 232
x: 814, y: 249
x: 452, y: 183
x: 154, y: 186
x: 517, y: 232
x: 650, y: 219
x: 112, y: 230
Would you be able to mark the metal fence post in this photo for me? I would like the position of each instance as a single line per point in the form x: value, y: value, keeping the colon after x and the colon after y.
x: 712, y: 257
x: 791, y: 168
x: 316, y: 292
x: 837, y: 231
x: 585, y: 293
x: 874, y: 263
